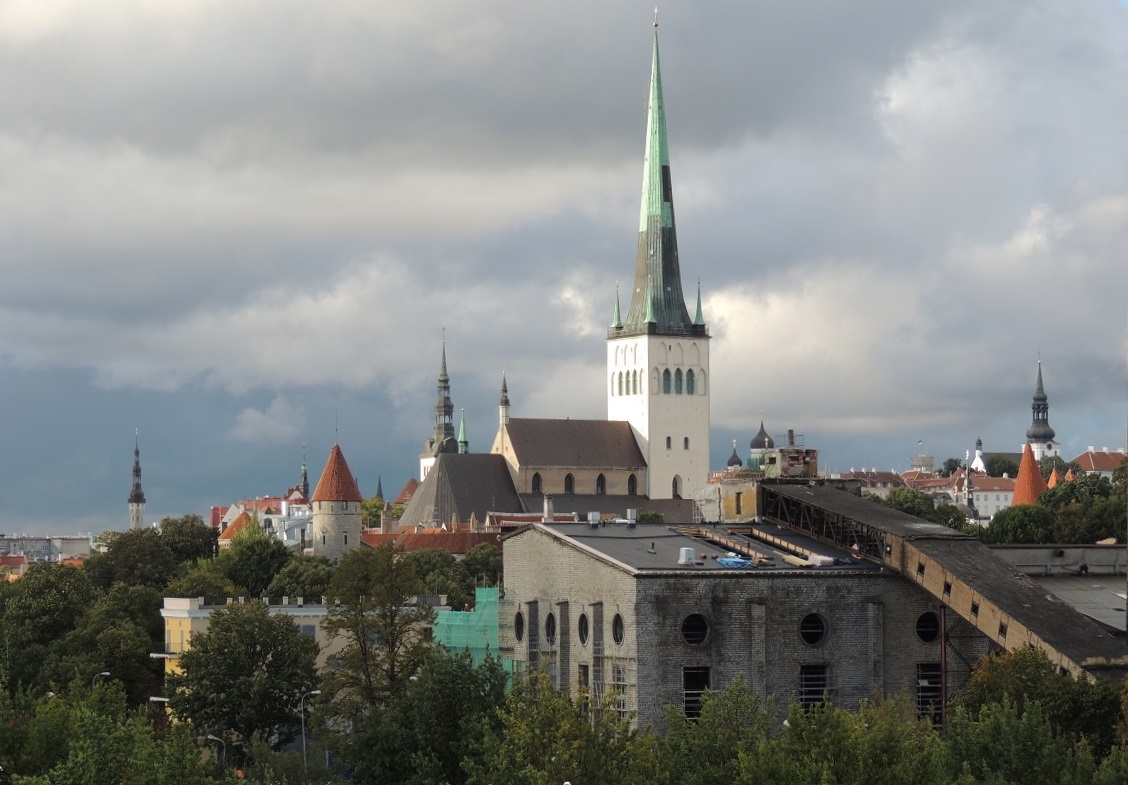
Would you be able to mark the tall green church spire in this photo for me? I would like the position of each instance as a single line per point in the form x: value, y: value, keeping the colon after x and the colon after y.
x: 657, y: 303
x: 463, y: 441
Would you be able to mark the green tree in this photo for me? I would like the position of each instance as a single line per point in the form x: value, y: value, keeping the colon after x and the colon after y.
x: 1074, y: 707
x: 39, y: 611
x: 135, y: 558
x: 950, y: 465
x: 252, y: 559
x: 484, y: 563
x: 450, y: 700
x: 998, y: 465
x: 1005, y: 745
x: 203, y: 580
x: 189, y: 538
x: 379, y: 628
x: 308, y: 577
x: 1023, y: 523
x: 708, y: 749
x: 546, y: 738
x: 370, y: 510
x: 116, y: 634
x: 911, y: 501
x: 244, y: 678
x: 441, y: 573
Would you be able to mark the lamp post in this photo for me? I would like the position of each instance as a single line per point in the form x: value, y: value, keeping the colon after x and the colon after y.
x: 224, y: 744
x: 301, y: 710
x: 98, y: 676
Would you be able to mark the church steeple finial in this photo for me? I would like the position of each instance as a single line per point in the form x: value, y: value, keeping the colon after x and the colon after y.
x: 617, y: 320
x: 699, y: 319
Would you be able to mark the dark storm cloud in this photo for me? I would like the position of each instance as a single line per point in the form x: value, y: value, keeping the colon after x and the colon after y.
x: 238, y: 218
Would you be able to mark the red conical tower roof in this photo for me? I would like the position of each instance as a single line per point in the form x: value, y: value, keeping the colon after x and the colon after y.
x: 337, y: 483
x: 1029, y: 482
x: 1053, y: 481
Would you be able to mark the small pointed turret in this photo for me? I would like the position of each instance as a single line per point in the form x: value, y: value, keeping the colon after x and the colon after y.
x: 617, y: 320
x: 379, y: 486
x: 699, y: 319
x: 463, y: 441
x: 1029, y: 483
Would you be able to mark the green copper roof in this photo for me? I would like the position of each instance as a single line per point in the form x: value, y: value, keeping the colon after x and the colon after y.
x: 699, y: 319
x: 617, y: 321
x: 657, y: 302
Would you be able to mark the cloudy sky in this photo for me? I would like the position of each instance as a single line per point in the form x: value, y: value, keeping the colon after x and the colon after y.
x: 241, y: 226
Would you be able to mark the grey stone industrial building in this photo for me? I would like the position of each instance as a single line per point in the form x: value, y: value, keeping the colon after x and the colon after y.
x: 657, y: 614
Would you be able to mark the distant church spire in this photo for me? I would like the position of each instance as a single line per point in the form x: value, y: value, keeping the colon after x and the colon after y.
x: 1040, y: 436
x: 136, y: 495
x: 442, y: 439
x: 379, y: 486
x: 503, y: 403
x: 463, y: 440
x: 305, y: 476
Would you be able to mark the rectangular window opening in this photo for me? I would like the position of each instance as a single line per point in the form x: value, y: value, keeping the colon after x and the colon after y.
x: 929, y: 695
x: 947, y: 588
x: 695, y: 680
x: 920, y: 569
x: 975, y: 609
x: 814, y: 684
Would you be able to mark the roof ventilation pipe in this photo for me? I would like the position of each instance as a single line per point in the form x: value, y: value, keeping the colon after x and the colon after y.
x: 687, y: 556
x: 549, y: 515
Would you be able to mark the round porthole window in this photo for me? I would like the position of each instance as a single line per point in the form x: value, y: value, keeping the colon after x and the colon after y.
x: 695, y: 629
x: 583, y: 629
x: 812, y: 629
x: 550, y: 629
x: 617, y: 631
x: 519, y: 626
x: 928, y: 627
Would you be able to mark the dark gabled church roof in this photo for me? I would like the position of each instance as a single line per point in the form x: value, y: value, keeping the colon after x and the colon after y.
x: 574, y: 444
x: 461, y: 485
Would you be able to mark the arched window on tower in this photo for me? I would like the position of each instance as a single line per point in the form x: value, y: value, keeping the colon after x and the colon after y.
x: 620, y: 382
x: 634, y: 382
x: 690, y: 381
x: 678, y: 382
x: 601, y: 485
x: 569, y: 483
x: 666, y: 381
x: 611, y: 384
x: 676, y: 489
x: 632, y: 485
x: 685, y: 443
x: 669, y: 442
x: 537, y: 483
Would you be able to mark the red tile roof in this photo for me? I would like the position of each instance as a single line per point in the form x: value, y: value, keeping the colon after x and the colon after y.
x: 1099, y: 461
x: 453, y: 542
x: 236, y: 526
x: 1029, y: 483
x: 337, y: 483
x: 1053, y: 481
x: 408, y: 490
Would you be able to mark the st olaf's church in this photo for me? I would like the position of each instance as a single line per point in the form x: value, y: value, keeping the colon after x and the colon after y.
x: 652, y: 451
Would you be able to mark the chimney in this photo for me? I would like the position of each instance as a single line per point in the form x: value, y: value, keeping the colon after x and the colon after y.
x: 549, y: 516
x: 790, y: 437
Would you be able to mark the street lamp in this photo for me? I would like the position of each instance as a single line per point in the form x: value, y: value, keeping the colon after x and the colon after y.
x: 98, y: 676
x: 224, y: 743
x: 301, y: 710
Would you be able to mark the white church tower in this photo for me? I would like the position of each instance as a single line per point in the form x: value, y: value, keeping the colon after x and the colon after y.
x: 658, y: 358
